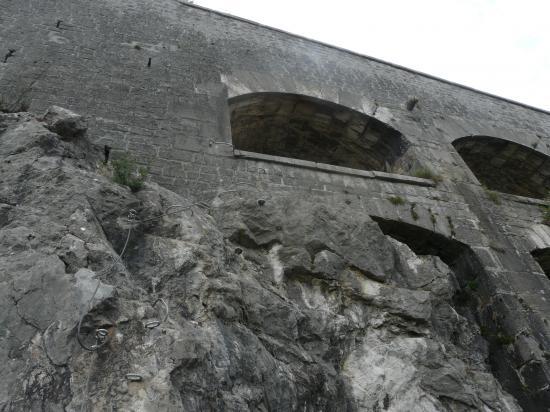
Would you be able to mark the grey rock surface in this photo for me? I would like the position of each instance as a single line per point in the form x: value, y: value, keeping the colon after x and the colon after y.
x: 65, y: 123
x: 282, y: 305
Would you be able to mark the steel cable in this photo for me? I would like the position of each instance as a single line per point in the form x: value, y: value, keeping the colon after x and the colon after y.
x: 89, y: 305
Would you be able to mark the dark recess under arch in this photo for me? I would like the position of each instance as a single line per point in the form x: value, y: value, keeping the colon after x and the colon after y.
x: 426, y: 242
x: 506, y: 166
x: 307, y: 128
x: 542, y: 256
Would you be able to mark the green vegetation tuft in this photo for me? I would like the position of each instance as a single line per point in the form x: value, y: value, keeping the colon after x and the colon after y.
x: 425, y: 173
x: 492, y: 195
x: 472, y: 285
x: 503, y: 339
x: 451, y: 226
x: 433, y: 219
x: 414, y: 213
x: 485, y: 332
x: 126, y: 172
x: 546, y: 213
x: 396, y: 200
x: 500, y: 337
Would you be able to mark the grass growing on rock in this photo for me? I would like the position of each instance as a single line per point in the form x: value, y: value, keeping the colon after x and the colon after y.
x: 492, y: 195
x: 426, y: 173
x: 472, y: 285
x: 545, y: 209
x: 414, y: 213
x: 396, y: 200
x: 546, y: 215
x: 503, y: 339
x: 126, y: 172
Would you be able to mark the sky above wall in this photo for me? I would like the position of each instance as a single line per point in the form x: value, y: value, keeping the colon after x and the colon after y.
x: 498, y: 46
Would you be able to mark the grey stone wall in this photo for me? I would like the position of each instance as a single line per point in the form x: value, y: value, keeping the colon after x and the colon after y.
x: 167, y: 113
x: 154, y: 76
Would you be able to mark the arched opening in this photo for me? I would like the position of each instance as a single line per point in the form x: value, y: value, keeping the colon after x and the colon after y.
x: 470, y: 301
x: 542, y: 256
x: 306, y: 128
x: 423, y: 241
x: 506, y: 166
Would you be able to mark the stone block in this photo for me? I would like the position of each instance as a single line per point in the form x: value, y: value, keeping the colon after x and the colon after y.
x: 65, y: 123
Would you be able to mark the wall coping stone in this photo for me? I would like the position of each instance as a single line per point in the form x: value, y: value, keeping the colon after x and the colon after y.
x: 323, y: 167
x: 523, y: 199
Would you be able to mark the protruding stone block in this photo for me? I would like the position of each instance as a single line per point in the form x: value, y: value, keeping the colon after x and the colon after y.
x: 65, y: 123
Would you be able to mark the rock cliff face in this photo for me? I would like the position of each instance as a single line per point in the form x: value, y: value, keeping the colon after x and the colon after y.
x: 253, y: 301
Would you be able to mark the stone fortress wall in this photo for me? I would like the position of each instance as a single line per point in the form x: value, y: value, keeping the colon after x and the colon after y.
x: 176, y: 85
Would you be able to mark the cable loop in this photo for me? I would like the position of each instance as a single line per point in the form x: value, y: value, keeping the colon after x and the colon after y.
x: 152, y: 324
x: 132, y: 215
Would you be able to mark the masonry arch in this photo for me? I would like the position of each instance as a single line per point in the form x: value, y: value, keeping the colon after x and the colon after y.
x: 308, y: 128
x: 454, y: 253
x: 506, y: 166
x: 470, y: 301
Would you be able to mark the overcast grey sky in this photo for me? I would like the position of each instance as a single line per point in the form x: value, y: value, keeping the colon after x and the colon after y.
x: 498, y: 46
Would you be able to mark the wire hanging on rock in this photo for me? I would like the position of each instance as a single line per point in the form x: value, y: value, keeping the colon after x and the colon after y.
x: 101, y: 337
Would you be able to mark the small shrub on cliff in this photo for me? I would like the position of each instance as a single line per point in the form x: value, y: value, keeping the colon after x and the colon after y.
x: 503, y: 339
x: 426, y: 173
x: 126, y: 172
x: 414, y: 213
x: 546, y: 215
x: 472, y: 285
x: 545, y: 209
x: 396, y: 200
x: 492, y: 195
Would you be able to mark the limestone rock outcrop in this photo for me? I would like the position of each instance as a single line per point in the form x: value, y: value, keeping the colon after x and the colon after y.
x: 252, y: 301
x: 65, y: 123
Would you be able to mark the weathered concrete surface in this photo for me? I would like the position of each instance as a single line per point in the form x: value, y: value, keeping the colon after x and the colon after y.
x: 275, y: 302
